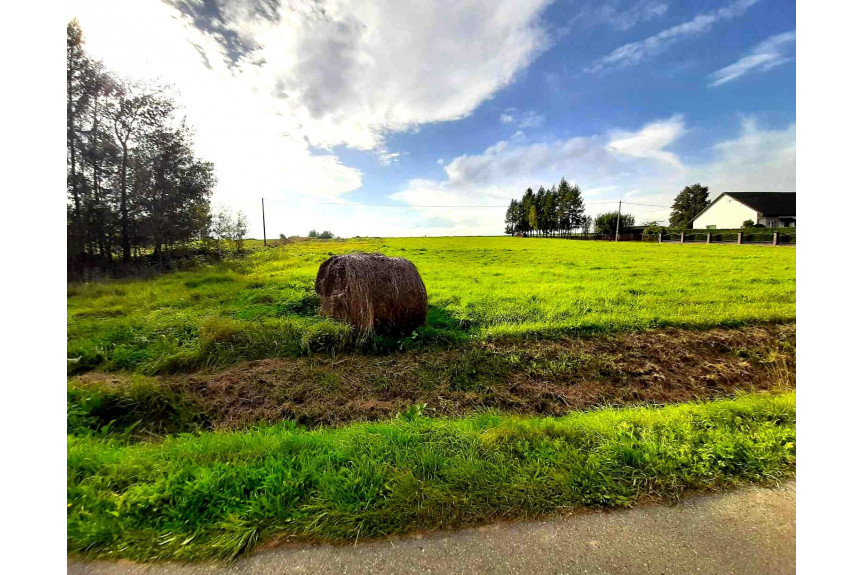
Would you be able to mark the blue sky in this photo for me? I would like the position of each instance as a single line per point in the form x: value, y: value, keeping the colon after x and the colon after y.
x: 322, y: 106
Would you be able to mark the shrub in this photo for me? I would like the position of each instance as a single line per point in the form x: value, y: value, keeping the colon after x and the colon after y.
x: 652, y: 230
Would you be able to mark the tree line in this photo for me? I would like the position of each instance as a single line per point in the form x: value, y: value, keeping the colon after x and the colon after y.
x: 135, y: 188
x: 560, y: 210
x: 557, y: 211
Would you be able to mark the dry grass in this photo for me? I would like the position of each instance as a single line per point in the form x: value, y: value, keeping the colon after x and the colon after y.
x: 373, y: 293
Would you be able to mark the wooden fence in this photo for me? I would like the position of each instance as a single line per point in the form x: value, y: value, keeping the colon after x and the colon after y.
x: 775, y: 238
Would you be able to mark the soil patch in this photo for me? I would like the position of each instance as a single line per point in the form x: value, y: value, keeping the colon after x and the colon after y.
x: 654, y: 367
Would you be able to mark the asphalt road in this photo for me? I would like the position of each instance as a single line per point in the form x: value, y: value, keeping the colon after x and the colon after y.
x: 750, y: 530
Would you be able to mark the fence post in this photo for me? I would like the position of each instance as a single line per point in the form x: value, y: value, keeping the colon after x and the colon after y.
x: 708, y: 237
x: 682, y: 237
x: 739, y: 237
x: 660, y: 237
x: 775, y: 238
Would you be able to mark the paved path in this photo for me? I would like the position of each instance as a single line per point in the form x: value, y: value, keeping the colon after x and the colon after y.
x: 750, y: 530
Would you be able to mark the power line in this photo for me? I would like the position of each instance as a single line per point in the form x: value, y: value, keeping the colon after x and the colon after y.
x: 650, y: 205
x: 404, y: 205
x: 362, y: 205
x: 460, y: 206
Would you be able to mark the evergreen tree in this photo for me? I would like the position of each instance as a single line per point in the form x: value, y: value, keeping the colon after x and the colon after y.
x: 555, y: 211
x: 528, y: 201
x: 571, y: 206
x: 539, y: 203
x: 549, y: 211
x: 511, y: 218
x: 518, y: 217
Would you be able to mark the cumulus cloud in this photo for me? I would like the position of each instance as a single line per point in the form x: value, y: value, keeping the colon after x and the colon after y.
x: 636, y: 52
x: 636, y: 166
x: 765, y: 56
x: 505, y: 169
x: 272, y: 86
x: 350, y: 73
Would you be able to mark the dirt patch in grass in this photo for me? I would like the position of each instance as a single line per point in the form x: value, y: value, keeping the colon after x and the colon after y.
x: 654, y: 367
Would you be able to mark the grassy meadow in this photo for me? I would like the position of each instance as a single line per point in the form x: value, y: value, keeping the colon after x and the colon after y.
x: 480, y: 289
x: 178, y: 450
x: 221, y: 494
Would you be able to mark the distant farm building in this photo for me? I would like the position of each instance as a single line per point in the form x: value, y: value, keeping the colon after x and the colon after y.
x: 731, y: 209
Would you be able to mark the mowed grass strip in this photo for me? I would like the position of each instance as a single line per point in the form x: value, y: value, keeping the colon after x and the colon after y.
x: 219, y: 495
x: 264, y: 306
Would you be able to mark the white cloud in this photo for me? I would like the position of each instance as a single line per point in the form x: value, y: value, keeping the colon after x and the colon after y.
x: 610, y: 13
x: 650, y: 141
x: 272, y: 86
x: 387, y: 158
x: 624, y: 19
x: 763, y: 57
x: 350, y: 73
x: 635, y: 166
x: 597, y: 191
x: 636, y: 52
x: 597, y: 156
x: 528, y: 119
x: 757, y: 161
x: 531, y: 119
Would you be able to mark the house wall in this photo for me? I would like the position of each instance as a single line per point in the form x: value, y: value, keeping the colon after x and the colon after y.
x: 775, y: 223
x: 727, y: 213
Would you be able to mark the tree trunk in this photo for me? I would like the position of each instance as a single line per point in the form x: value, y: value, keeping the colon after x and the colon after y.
x: 70, y: 129
x: 96, y: 196
x: 124, y: 210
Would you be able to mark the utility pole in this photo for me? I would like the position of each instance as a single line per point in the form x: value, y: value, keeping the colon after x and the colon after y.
x: 264, y: 217
x: 617, y: 227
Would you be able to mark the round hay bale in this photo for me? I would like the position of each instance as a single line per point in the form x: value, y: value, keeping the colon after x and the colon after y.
x: 372, y: 292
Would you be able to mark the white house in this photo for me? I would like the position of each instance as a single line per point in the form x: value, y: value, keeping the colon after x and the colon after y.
x: 731, y: 209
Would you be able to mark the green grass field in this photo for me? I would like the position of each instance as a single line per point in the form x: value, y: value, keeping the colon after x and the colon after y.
x: 208, y: 465
x: 218, y: 495
x: 479, y: 289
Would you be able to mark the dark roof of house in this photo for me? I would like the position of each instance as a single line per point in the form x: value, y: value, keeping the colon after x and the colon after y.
x: 769, y: 204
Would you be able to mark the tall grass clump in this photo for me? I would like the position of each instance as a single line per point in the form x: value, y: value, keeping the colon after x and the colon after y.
x: 219, y: 494
x: 141, y: 405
